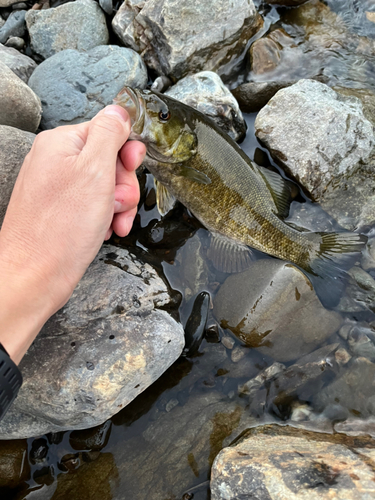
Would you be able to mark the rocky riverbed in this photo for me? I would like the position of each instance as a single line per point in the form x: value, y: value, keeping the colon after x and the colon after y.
x: 273, y: 395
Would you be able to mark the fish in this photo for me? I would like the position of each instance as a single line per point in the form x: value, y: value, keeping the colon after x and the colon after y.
x: 242, y: 204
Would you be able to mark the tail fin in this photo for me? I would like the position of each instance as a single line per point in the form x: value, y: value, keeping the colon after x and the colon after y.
x: 334, y: 254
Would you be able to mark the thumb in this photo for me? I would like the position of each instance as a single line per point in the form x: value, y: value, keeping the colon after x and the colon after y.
x: 108, y: 131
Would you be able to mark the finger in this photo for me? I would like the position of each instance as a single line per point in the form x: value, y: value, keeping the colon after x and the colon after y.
x: 108, y: 234
x: 123, y: 222
x: 132, y: 154
x: 127, y: 194
x: 107, y: 133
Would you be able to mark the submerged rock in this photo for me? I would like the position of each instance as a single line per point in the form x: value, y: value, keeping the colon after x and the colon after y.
x: 273, y: 462
x: 13, y: 26
x: 14, y: 466
x: 206, y: 92
x: 252, y: 96
x: 177, y: 38
x: 108, y: 343
x: 79, y: 25
x: 325, y: 142
x: 14, y: 146
x: 20, y: 106
x: 20, y: 64
x: 74, y: 86
x: 273, y: 308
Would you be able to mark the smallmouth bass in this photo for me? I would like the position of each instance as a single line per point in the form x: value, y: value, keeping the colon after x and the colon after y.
x: 240, y: 203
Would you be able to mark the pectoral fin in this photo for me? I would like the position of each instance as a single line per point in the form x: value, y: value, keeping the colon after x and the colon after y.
x: 227, y: 255
x: 164, y: 199
x: 279, y: 189
x: 193, y: 174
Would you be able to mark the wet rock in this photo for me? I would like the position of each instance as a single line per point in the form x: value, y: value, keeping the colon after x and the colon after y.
x: 359, y: 293
x: 94, y: 439
x: 265, y: 53
x: 153, y: 463
x: 14, y: 466
x: 122, y: 23
x: 361, y: 341
x: 20, y: 64
x: 354, y: 426
x: 352, y: 390
x: 272, y: 462
x: 161, y: 84
x: 177, y: 39
x: 252, y: 96
x: 273, y: 308
x: 73, y: 86
x: 14, y: 26
x: 251, y: 387
x: 108, y: 343
x: 20, y: 106
x: 15, y: 42
x: 206, y: 92
x: 324, y: 141
x: 79, y: 25
x: 14, y: 146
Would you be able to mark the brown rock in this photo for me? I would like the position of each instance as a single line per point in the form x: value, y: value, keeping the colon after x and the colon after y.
x: 14, y: 466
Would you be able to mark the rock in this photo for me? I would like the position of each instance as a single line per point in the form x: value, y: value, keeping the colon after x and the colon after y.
x: 273, y: 462
x: 359, y: 293
x: 20, y: 6
x: 122, y: 23
x: 273, y: 308
x: 361, y: 340
x: 108, y: 343
x: 74, y: 86
x: 79, y: 25
x: 2, y: 22
x: 206, y: 92
x: 20, y: 64
x: 177, y: 39
x: 352, y: 390
x: 253, y: 96
x: 324, y: 141
x: 14, y: 26
x: 7, y: 3
x: 14, y: 466
x: 161, y: 83
x: 16, y: 42
x: 265, y: 53
x: 287, y: 3
x: 107, y: 6
x: 20, y: 107
x: 14, y: 146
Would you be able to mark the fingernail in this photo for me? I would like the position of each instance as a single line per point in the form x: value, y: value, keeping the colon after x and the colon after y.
x: 118, y: 207
x: 116, y: 111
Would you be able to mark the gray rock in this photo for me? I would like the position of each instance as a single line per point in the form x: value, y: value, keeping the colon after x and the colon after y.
x: 16, y: 42
x: 161, y: 83
x: 360, y: 292
x: 273, y: 308
x: 107, y: 6
x: 14, y: 146
x: 20, y: 6
x: 20, y: 64
x: 252, y: 96
x: 288, y: 3
x: 361, y: 340
x: 7, y: 3
x: 122, y: 23
x: 108, y: 343
x: 2, y: 22
x: 273, y: 462
x: 351, y: 390
x: 77, y: 25
x: 177, y: 38
x: 74, y: 86
x: 20, y: 107
x: 14, y: 26
x: 206, y: 92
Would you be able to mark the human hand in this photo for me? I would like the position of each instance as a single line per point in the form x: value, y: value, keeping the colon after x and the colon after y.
x: 77, y: 184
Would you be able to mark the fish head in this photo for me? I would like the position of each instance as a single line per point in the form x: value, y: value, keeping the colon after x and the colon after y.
x: 163, y: 124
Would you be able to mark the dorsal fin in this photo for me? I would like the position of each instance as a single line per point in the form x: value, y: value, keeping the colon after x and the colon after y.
x: 279, y: 189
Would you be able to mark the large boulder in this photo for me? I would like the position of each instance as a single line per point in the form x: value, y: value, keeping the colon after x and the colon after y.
x: 324, y: 140
x: 79, y: 25
x: 74, y: 86
x: 20, y: 106
x: 177, y: 38
x: 206, y: 92
x: 273, y: 462
x: 21, y: 65
x: 14, y: 146
x: 273, y: 308
x: 108, y: 343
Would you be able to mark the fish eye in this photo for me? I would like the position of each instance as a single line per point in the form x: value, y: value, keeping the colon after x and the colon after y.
x: 164, y: 116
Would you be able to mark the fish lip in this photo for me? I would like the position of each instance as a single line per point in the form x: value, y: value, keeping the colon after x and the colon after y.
x: 131, y: 100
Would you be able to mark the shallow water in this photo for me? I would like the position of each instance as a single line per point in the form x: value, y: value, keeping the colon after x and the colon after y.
x: 161, y: 446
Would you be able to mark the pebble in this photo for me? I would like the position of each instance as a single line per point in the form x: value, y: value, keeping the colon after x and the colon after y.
x: 14, y: 26
x: 15, y: 42
x: 228, y: 342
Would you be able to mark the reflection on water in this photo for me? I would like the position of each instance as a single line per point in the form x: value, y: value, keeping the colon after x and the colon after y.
x: 162, y: 445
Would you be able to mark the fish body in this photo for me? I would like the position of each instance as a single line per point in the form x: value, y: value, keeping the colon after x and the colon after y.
x: 199, y: 165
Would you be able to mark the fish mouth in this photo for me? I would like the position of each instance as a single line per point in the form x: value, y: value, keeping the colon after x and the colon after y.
x: 131, y: 100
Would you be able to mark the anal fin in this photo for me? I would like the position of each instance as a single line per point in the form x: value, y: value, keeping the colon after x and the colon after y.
x: 227, y: 255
